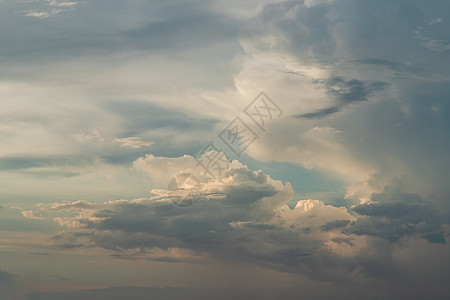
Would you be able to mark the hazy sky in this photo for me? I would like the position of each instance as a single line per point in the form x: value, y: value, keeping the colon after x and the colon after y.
x: 339, y: 188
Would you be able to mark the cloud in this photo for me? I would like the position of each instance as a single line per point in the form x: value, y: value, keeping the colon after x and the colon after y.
x: 29, y: 214
x: 133, y: 142
x: 364, y: 86
x: 244, y: 217
x: 302, y: 289
x: 334, y: 225
x: 170, y: 118
x: 425, y: 35
x: 318, y: 59
x: 163, y: 168
x: 396, y: 67
x: 247, y: 206
x: 393, y: 215
x: 8, y: 289
x: 93, y: 135
x: 345, y: 92
x: 76, y: 205
x: 122, y: 292
x: 435, y: 237
x: 47, y: 8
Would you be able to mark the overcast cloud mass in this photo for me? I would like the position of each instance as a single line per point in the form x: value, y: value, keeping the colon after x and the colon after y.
x: 339, y: 188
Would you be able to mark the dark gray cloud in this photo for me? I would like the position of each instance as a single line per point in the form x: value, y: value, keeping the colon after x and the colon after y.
x: 334, y: 225
x: 340, y: 240
x: 435, y: 237
x: 393, y: 215
x: 8, y: 290
x: 124, y: 292
x: 344, y: 92
x: 350, y: 91
x: 302, y: 289
x: 320, y: 113
x: 397, y: 67
x: 27, y: 162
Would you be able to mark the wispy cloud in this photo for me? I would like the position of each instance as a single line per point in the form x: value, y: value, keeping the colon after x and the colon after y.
x: 43, y: 9
x: 425, y: 35
x: 133, y: 142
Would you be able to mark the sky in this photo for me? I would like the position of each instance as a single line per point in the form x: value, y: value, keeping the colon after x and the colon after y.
x: 207, y: 149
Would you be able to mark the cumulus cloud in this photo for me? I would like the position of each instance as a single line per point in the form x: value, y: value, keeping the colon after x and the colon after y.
x: 244, y: 216
x: 248, y: 204
x: 163, y: 169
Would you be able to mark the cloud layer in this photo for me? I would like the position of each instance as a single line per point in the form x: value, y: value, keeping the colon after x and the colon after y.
x: 103, y: 101
x: 244, y: 217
